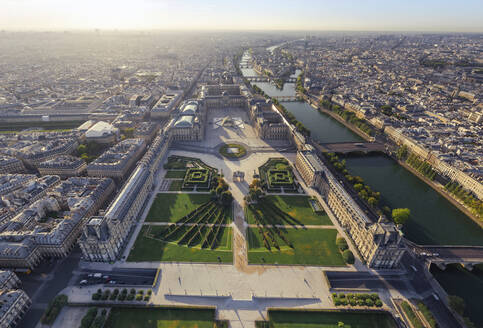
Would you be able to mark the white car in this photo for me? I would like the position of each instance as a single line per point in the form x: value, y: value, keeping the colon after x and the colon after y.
x: 83, y: 282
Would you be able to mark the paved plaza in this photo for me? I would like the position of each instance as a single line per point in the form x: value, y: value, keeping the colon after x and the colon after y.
x: 241, y: 131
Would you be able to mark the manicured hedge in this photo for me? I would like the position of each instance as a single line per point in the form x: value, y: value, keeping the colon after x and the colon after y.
x: 428, y: 315
x: 348, y: 256
x: 370, y: 300
x: 53, y: 309
x: 88, y: 318
x: 411, y: 315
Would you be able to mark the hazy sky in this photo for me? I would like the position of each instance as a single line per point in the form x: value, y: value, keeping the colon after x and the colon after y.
x: 409, y: 15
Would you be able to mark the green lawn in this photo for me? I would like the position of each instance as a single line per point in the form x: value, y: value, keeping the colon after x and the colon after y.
x: 330, y: 319
x: 176, y: 185
x: 172, y: 207
x: 175, y: 174
x: 160, y: 318
x: 151, y: 249
x: 298, y: 207
x: 311, y: 247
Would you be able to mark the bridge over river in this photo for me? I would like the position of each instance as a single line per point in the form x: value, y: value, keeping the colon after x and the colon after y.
x: 350, y: 147
x: 261, y: 78
x: 287, y: 98
x: 442, y: 255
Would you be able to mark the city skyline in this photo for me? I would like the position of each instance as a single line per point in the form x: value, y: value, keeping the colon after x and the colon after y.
x: 374, y: 15
x: 251, y: 164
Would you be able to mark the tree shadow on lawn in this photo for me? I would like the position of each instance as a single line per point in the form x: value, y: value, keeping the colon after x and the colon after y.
x: 151, y: 247
x: 170, y: 207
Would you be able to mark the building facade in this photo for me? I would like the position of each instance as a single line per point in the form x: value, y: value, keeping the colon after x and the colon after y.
x: 13, y: 306
x: 268, y: 124
x: 64, y: 166
x: 118, y: 160
x: 14, y: 302
x: 379, y: 243
x: 104, y: 237
x: 9, y: 164
x: 50, y: 226
x: 223, y: 96
x: 189, y: 125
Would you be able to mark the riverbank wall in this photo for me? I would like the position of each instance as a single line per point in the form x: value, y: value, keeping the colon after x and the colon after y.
x: 339, y: 119
x: 353, y: 128
x: 440, y: 189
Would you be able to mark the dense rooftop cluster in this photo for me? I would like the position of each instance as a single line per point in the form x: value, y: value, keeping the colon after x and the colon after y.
x: 426, y: 86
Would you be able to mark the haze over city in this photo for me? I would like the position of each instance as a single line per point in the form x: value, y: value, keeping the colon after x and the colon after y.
x: 344, y: 15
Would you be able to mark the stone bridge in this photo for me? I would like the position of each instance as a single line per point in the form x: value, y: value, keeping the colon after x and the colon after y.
x: 287, y: 98
x: 261, y: 78
x: 257, y: 78
x: 441, y: 255
x: 350, y: 147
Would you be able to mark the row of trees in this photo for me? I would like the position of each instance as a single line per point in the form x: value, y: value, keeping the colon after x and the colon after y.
x: 121, y: 296
x: 299, y: 85
x: 364, y: 191
x: 402, y: 153
x: 288, y: 115
x: 458, y: 305
x: 453, y: 187
x: 255, y: 192
x: 399, y: 215
x: 421, y: 166
x: 194, y: 234
x: 370, y: 300
x: 427, y: 314
x: 348, y: 116
x: 344, y: 249
x: 221, y: 193
x: 91, y: 320
x: 236, y: 61
x: 466, y: 197
x: 291, y: 118
x: 413, y: 318
x: 53, y: 309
